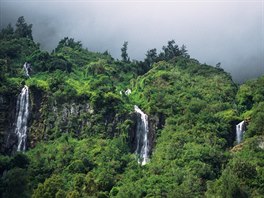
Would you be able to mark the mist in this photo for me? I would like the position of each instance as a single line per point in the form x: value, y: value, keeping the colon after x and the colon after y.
x: 230, y: 32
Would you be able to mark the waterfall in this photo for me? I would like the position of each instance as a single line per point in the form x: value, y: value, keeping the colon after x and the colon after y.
x: 22, y: 112
x: 240, y: 130
x: 26, y: 67
x: 128, y: 92
x: 142, y: 149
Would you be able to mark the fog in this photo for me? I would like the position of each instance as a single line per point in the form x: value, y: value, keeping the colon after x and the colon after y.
x: 230, y: 32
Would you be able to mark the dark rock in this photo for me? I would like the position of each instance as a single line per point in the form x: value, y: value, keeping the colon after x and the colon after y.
x: 7, y: 121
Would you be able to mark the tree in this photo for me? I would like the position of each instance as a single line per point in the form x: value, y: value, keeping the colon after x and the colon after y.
x: 151, y: 56
x: 52, y: 186
x: 170, y: 51
x: 124, y: 54
x: 8, y: 31
x: 68, y: 42
x: 15, y: 183
x: 218, y: 65
x: 183, y: 52
x: 20, y: 160
x: 23, y: 29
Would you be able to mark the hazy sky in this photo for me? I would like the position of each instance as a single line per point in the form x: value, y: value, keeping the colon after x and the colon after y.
x: 230, y: 32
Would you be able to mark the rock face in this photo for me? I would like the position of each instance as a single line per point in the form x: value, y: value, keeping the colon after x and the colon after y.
x: 50, y: 118
x: 261, y: 143
x: 156, y: 123
x: 4, y: 124
x: 7, y: 117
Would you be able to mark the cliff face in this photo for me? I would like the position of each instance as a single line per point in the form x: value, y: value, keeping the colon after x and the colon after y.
x: 7, y: 120
x: 156, y: 124
x: 50, y: 118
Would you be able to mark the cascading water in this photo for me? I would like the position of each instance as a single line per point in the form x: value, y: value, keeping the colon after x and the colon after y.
x: 128, y: 92
x: 240, y: 130
x: 26, y: 67
x: 142, y: 149
x: 22, y: 118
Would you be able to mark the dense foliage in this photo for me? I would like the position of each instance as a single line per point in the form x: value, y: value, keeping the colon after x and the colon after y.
x: 80, y: 127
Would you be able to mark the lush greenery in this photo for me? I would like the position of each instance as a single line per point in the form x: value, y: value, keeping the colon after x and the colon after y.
x: 81, y: 122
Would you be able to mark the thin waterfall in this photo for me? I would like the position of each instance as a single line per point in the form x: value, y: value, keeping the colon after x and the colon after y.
x: 142, y: 149
x: 26, y: 67
x: 240, y: 130
x: 22, y: 118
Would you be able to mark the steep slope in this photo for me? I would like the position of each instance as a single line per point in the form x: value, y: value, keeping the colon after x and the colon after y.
x: 73, y: 93
x: 243, y: 175
x: 83, y: 125
x: 195, y: 104
x: 65, y: 92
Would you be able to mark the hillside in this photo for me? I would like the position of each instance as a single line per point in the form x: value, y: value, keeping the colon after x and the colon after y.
x: 69, y: 126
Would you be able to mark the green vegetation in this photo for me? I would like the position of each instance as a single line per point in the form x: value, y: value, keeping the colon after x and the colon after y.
x: 243, y: 175
x: 81, y: 123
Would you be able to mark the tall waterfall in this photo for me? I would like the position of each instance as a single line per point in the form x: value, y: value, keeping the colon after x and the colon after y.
x: 22, y: 113
x: 142, y: 149
x: 240, y: 130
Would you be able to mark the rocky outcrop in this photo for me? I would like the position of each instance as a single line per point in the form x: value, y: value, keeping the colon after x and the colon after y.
x: 51, y: 118
x: 8, y: 138
x: 156, y: 123
x: 261, y: 143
